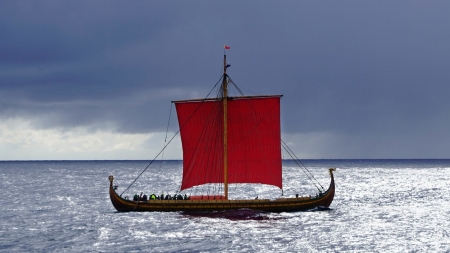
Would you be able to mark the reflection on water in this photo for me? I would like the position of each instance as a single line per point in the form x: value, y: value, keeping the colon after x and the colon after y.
x: 235, y: 215
x: 380, y: 206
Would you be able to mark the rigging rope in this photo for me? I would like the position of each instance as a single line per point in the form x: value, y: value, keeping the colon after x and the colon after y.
x: 296, y: 160
x: 235, y: 86
x: 165, y: 138
x: 154, y: 159
x: 167, y: 131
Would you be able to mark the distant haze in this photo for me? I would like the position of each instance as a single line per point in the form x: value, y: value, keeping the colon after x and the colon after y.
x: 94, y: 79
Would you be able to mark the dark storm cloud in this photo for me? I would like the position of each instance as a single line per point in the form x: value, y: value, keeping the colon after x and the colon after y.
x: 378, y: 68
x: 375, y: 72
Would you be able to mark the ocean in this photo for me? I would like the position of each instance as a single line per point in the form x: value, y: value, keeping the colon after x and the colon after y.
x: 379, y: 206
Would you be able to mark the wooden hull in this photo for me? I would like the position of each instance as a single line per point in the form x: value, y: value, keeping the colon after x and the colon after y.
x: 278, y: 205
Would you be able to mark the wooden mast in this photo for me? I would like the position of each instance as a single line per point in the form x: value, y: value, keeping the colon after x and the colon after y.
x: 225, y: 126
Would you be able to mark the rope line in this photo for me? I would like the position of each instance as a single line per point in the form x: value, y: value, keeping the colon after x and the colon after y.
x: 167, y: 131
x: 298, y: 162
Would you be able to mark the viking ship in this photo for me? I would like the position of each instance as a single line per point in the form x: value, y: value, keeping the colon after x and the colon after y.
x: 229, y: 140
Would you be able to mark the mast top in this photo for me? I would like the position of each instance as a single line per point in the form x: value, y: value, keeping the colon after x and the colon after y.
x: 225, y: 65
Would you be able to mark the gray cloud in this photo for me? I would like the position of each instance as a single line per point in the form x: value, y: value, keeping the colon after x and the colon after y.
x: 371, y: 72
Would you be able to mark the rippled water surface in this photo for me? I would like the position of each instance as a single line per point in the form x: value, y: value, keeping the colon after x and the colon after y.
x: 380, y: 206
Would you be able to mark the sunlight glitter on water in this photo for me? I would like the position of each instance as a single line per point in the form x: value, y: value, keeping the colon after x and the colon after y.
x: 380, y: 206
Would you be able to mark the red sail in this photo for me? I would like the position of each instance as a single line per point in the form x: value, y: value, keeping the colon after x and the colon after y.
x: 254, y: 150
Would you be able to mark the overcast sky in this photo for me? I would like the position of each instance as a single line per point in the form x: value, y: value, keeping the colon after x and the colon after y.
x: 94, y: 79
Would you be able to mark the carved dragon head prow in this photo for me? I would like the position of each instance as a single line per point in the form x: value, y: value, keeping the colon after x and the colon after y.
x: 331, y: 171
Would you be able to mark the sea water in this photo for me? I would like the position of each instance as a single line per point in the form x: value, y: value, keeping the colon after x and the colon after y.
x: 380, y: 206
